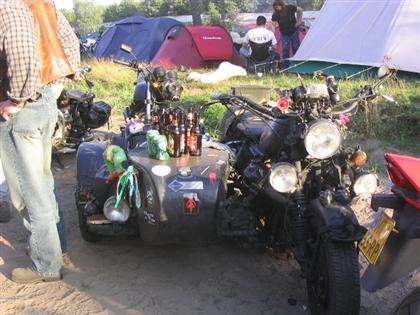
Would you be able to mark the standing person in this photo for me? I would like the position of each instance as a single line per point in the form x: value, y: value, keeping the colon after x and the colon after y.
x: 38, y: 48
x: 288, y: 18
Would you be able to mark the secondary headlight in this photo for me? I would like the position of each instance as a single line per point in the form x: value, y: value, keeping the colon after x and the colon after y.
x: 118, y: 215
x: 323, y: 139
x: 283, y: 177
x: 365, y: 184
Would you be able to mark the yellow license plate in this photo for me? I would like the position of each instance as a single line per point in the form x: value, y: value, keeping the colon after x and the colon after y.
x: 374, y: 240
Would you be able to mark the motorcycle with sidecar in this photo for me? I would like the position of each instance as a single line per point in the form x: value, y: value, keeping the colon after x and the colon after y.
x: 280, y: 178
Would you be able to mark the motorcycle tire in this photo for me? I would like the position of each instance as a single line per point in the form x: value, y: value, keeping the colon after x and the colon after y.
x: 410, y: 304
x: 335, y: 287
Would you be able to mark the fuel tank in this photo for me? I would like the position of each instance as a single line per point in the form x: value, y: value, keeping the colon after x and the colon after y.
x: 273, y: 137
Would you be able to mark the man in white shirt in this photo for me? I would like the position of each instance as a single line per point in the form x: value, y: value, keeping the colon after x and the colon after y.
x: 259, y: 35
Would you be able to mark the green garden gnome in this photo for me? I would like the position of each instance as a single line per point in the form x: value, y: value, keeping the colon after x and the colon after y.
x: 114, y: 157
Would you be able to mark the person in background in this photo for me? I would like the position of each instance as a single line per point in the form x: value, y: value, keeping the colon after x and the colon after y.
x: 39, y: 49
x: 288, y: 18
x: 259, y: 35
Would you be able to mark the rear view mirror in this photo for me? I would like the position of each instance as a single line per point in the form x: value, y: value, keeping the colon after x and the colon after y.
x: 383, y: 71
x: 126, y: 48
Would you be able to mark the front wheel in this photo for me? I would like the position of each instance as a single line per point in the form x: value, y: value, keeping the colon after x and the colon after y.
x: 334, y: 287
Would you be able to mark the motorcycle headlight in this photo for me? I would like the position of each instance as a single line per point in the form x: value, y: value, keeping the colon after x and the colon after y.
x: 323, y: 139
x: 365, y: 184
x: 283, y: 177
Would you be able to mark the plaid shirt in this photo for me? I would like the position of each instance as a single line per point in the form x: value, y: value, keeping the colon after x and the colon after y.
x: 19, y: 49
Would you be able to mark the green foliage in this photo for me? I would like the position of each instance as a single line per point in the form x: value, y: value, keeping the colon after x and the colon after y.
x: 215, y: 18
x: 88, y: 16
x: 69, y: 15
x: 122, y: 10
x: 398, y: 124
x: 175, y: 7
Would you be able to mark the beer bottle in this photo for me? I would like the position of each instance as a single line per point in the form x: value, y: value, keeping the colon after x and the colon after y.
x: 165, y: 122
x: 176, y: 135
x: 196, y: 137
x: 182, y: 141
x: 189, y: 127
x: 155, y: 120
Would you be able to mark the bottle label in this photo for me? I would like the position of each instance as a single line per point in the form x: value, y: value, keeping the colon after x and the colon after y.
x: 193, y: 143
x: 171, y: 144
x: 182, y: 143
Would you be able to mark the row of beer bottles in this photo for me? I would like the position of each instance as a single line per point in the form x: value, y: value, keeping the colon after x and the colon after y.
x: 182, y: 130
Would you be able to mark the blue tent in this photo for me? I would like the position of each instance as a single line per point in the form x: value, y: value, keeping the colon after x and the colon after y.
x: 144, y: 35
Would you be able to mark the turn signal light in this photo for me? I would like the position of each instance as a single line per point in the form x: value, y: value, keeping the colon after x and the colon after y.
x: 156, y: 85
x: 359, y: 158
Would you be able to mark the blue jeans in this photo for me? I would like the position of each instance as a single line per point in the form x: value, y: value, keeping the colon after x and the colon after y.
x: 25, y: 150
x: 245, y: 53
x: 286, y: 41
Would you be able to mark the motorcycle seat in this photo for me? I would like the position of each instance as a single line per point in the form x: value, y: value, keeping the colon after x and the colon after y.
x: 80, y: 96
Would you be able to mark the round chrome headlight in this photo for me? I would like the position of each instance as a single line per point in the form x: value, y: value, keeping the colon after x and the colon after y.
x: 283, y: 177
x: 365, y: 184
x: 120, y: 214
x: 323, y: 139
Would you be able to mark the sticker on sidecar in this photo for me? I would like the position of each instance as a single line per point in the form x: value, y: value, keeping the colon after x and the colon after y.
x: 176, y: 185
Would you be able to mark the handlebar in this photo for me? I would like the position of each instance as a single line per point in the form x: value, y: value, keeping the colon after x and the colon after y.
x: 86, y: 69
x: 124, y: 63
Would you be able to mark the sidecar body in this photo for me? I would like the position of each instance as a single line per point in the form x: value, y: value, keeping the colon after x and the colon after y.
x: 179, y: 197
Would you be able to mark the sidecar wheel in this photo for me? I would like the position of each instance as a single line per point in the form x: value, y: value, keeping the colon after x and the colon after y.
x: 87, y: 235
x: 335, y: 285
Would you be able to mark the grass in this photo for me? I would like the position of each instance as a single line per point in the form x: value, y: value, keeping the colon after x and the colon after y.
x: 393, y: 124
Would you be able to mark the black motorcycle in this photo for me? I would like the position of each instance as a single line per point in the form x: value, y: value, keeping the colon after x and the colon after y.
x: 78, y: 114
x: 155, y: 88
x: 292, y: 184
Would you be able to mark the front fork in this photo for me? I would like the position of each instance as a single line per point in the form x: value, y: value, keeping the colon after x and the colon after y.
x: 299, y: 220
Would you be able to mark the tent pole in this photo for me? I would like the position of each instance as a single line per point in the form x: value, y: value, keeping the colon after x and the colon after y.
x: 320, y: 71
x: 357, y: 73
x: 291, y: 67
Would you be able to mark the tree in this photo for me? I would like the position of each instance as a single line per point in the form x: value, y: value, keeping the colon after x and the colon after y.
x: 69, y: 15
x: 151, y: 7
x: 88, y: 16
x: 122, y: 10
x: 196, y: 10
x: 175, y: 7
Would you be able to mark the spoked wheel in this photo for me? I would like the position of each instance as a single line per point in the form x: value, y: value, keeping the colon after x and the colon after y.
x: 334, y: 288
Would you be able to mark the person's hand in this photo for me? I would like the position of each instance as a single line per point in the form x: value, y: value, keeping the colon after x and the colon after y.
x: 8, y: 108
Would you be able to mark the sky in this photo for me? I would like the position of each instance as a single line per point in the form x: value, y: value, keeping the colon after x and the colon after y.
x: 68, y: 4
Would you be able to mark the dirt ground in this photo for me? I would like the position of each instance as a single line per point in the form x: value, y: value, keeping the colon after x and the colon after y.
x: 123, y: 276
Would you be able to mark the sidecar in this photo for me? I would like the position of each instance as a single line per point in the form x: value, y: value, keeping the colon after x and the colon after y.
x: 179, y: 197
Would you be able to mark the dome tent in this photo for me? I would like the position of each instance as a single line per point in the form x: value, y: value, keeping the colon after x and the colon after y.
x: 365, y: 33
x: 168, y: 43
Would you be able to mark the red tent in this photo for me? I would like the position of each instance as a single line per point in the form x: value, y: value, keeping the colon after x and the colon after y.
x: 196, y: 47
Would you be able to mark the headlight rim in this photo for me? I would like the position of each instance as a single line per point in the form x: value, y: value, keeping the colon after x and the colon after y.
x: 359, y: 177
x: 272, y: 173
x: 312, y: 125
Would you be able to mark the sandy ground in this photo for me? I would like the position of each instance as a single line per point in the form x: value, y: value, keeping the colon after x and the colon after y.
x: 123, y: 276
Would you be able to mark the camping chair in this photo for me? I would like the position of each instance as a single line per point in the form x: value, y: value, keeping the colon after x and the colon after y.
x: 261, y: 58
